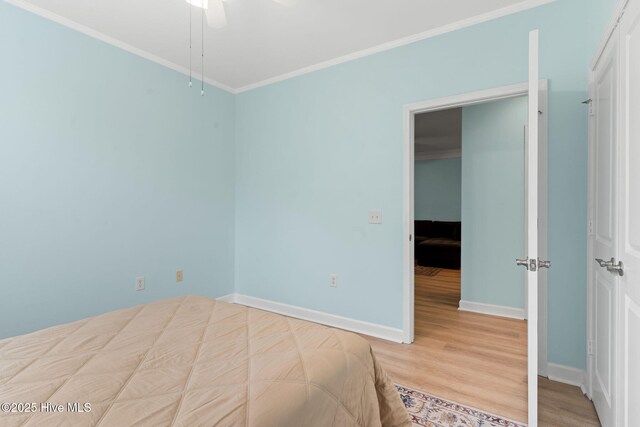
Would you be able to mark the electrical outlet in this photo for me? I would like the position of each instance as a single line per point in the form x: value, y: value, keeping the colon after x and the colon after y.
x: 375, y: 216
x: 333, y: 280
x: 140, y: 283
x: 179, y: 276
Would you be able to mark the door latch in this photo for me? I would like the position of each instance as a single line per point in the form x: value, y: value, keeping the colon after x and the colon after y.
x: 527, y: 263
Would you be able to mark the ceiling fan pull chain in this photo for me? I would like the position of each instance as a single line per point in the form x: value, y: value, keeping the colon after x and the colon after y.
x: 202, y: 53
x: 190, y: 37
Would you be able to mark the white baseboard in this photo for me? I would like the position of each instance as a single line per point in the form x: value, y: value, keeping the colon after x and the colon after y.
x: 567, y: 375
x: 352, y: 325
x: 493, y: 310
x: 231, y: 298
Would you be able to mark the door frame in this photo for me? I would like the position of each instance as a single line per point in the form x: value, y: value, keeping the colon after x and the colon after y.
x: 472, y: 98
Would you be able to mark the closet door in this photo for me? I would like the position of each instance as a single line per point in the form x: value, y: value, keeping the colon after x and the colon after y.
x: 629, y: 218
x: 604, y: 93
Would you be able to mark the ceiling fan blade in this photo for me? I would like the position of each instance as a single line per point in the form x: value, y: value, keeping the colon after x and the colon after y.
x: 287, y: 3
x: 216, y: 16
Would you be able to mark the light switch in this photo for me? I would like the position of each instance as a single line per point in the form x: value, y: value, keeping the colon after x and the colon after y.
x: 375, y: 216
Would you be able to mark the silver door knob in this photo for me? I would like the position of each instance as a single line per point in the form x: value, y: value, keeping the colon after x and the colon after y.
x: 612, y: 266
x: 616, y: 268
x: 603, y: 263
x: 544, y: 264
x: 523, y: 262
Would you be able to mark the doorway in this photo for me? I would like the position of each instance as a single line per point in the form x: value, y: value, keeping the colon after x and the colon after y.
x: 409, y: 256
x: 469, y: 101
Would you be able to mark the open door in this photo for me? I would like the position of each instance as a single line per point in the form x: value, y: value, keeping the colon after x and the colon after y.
x: 627, y: 268
x: 531, y: 227
x: 531, y: 262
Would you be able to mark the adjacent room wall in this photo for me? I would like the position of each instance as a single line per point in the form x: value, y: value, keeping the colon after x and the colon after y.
x: 493, y: 202
x: 110, y: 168
x: 438, y: 189
x: 315, y: 153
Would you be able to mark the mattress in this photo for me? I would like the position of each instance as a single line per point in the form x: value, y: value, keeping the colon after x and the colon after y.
x: 194, y: 361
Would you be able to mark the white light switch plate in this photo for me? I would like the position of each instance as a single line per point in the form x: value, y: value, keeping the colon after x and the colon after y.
x: 140, y: 283
x: 375, y: 216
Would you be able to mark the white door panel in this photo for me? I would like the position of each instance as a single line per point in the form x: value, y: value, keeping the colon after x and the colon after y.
x: 604, y: 317
x: 605, y: 136
x: 629, y: 219
x: 605, y: 293
x: 631, y: 365
x: 531, y: 229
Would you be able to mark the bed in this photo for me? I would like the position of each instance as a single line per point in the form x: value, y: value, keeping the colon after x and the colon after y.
x: 194, y: 361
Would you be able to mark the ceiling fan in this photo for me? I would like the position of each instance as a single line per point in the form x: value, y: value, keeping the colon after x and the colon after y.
x: 214, y: 10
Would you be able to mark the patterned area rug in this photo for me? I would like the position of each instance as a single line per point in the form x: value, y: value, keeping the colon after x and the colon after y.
x: 427, y: 271
x: 431, y: 411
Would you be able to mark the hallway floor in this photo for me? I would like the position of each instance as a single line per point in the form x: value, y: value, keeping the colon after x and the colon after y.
x: 475, y: 359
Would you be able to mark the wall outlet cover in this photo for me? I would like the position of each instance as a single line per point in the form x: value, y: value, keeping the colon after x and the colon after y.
x: 375, y: 216
x: 140, y: 283
x: 179, y: 276
x: 333, y: 280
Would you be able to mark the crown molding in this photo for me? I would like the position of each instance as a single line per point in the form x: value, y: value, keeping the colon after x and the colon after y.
x: 114, y: 42
x: 458, y: 25
x: 509, y: 10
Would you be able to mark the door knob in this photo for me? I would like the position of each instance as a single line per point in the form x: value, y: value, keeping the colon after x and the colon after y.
x: 544, y: 264
x: 612, y: 266
x: 616, y: 268
x: 529, y: 264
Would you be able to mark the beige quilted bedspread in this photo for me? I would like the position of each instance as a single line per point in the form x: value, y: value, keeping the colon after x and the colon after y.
x: 194, y: 361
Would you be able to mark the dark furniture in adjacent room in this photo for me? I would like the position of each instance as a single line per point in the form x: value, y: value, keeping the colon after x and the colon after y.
x: 437, y: 243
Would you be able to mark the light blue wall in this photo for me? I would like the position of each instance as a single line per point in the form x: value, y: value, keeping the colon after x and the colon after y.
x: 110, y: 168
x: 493, y: 202
x: 316, y: 152
x: 143, y: 175
x: 438, y: 189
x: 600, y: 13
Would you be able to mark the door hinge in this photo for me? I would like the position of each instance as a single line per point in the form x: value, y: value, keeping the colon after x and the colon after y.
x: 589, y: 102
x: 410, y: 237
x: 590, y: 347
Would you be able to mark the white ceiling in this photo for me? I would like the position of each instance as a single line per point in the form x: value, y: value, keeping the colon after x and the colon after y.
x: 264, y: 40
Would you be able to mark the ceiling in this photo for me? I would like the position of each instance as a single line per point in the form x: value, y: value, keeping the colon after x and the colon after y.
x: 438, y: 134
x: 265, y: 41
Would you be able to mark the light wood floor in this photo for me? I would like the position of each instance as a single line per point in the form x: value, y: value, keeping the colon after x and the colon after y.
x: 474, y: 359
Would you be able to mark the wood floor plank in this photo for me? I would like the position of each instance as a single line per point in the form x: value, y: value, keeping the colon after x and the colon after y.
x: 475, y: 359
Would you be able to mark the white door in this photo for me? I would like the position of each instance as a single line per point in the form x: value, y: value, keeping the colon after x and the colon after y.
x: 604, y: 92
x: 629, y: 218
x: 531, y: 230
